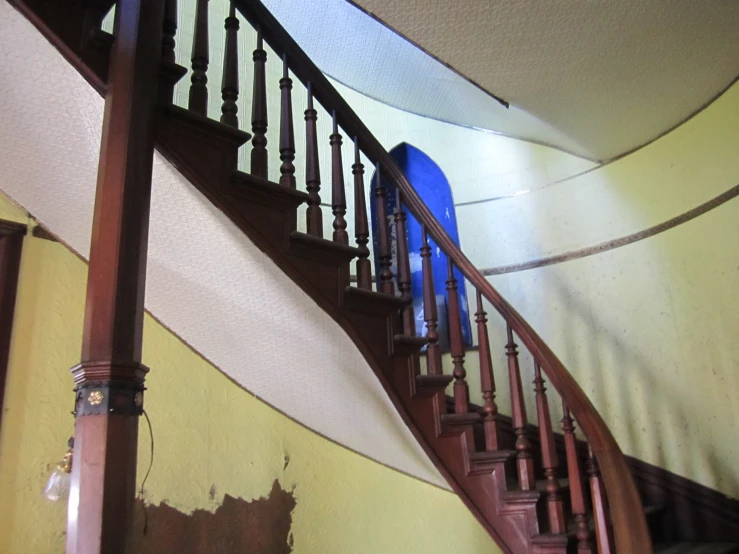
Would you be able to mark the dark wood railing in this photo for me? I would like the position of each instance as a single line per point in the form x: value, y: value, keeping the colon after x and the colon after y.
x: 619, y: 511
x: 628, y: 522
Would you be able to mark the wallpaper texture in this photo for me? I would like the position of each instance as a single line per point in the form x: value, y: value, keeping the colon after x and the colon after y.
x: 205, y: 279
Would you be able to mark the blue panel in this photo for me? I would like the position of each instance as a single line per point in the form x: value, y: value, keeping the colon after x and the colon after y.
x: 432, y: 186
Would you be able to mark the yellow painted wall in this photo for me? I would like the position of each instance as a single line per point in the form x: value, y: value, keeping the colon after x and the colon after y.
x: 208, y: 433
x: 649, y: 330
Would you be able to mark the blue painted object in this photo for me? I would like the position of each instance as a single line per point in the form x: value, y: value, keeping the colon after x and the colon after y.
x: 432, y: 186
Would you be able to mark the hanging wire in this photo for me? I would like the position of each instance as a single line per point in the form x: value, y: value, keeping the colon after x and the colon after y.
x: 148, y: 471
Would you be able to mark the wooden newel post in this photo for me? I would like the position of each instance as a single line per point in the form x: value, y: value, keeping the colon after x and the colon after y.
x: 110, y: 378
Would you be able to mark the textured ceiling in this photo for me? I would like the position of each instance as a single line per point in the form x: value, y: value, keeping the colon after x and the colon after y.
x: 594, y: 77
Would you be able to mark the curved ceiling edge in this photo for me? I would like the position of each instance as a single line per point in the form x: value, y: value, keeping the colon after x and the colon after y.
x: 353, y: 47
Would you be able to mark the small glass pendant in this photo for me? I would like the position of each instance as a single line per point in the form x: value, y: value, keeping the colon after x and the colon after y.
x: 57, y: 487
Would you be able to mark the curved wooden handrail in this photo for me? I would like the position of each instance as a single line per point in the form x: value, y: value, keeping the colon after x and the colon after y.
x: 629, y: 523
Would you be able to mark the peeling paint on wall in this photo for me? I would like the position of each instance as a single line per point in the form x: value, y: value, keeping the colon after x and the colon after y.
x: 230, y: 473
x: 260, y: 526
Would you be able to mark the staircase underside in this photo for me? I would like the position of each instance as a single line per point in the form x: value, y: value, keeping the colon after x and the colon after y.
x: 205, y: 153
x: 195, y: 253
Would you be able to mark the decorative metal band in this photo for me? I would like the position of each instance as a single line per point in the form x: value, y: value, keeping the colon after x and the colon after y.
x: 109, y: 398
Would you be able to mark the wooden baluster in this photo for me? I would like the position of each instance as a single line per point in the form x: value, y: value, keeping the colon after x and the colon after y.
x: 259, y: 165
x: 383, y: 239
x: 549, y: 461
x: 487, y: 379
x: 95, y: 12
x: 361, y: 227
x: 524, y: 458
x: 456, y: 345
x: 430, y: 314
x: 602, y: 536
x: 287, y: 135
x: 198, y: 101
x: 169, y: 30
x: 169, y: 74
x: 338, y: 196
x: 577, y: 497
x: 312, y: 171
x: 404, y: 266
x: 230, y: 82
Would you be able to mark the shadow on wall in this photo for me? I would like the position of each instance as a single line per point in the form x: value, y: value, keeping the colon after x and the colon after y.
x: 263, y: 524
x: 652, y: 417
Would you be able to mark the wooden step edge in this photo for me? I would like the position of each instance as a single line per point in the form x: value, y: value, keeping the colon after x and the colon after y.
x: 516, y: 497
x: 460, y: 420
x: 429, y: 385
x: 171, y: 72
x: 455, y: 424
x: 102, y: 42
x: 564, y: 485
x: 371, y: 302
x: 695, y: 547
x: 264, y: 191
x: 312, y: 247
x: 206, y: 125
x: 371, y: 297
x: 486, y: 462
x: 406, y: 345
x: 469, y: 418
x: 550, y: 540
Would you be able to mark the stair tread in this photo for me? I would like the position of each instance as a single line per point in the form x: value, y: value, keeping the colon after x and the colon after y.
x: 310, y: 246
x: 434, y: 381
x: 211, y: 125
x: 541, y: 484
x: 374, y: 296
x: 324, y: 245
x: 247, y: 182
x: 549, y: 538
x: 460, y: 419
x: 495, y: 455
x: 410, y: 340
x: 696, y: 548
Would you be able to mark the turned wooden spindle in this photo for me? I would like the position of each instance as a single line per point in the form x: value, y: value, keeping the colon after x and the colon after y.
x: 598, y: 498
x: 549, y: 461
x: 338, y: 195
x: 577, y: 497
x: 384, y: 258
x: 487, y: 379
x: 169, y: 30
x: 287, y: 134
x: 169, y: 75
x: 230, y: 82
x: 456, y: 345
x: 524, y: 458
x: 430, y: 313
x: 259, y: 165
x: 403, y: 265
x: 361, y: 227
x: 198, y: 101
x: 95, y: 12
x: 312, y: 170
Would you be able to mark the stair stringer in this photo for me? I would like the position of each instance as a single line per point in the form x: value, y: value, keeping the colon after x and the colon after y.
x: 269, y: 223
x: 265, y: 212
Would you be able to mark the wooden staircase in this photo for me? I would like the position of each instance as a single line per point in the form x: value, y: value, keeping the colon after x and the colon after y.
x: 531, y: 499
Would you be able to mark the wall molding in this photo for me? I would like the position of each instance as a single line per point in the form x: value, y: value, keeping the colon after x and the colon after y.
x: 619, y: 242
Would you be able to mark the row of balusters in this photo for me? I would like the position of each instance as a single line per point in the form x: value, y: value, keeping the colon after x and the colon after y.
x: 386, y: 280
